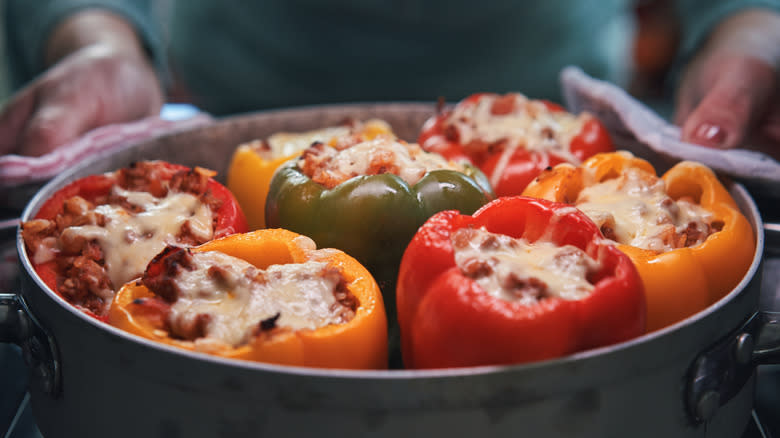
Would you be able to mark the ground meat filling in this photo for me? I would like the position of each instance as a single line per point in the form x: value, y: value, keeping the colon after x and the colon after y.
x: 503, y: 124
x: 217, y: 300
x: 634, y: 209
x: 497, y: 123
x: 90, y: 241
x: 520, y: 271
x: 332, y: 164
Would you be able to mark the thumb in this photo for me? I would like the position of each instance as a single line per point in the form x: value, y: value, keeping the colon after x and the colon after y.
x: 51, y: 126
x: 731, y: 104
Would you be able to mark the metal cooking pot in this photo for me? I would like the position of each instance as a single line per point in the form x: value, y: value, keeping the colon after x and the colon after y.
x: 692, y: 379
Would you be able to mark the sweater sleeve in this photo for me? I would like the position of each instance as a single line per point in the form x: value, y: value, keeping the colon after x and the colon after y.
x: 28, y: 25
x: 699, y: 18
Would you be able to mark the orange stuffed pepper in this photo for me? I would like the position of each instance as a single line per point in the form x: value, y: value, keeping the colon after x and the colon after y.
x: 683, y: 231
x: 254, y: 163
x: 267, y: 296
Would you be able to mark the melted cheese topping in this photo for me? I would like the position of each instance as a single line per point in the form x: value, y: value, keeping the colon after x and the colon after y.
x: 381, y: 155
x: 301, y: 294
x: 529, y: 126
x: 45, y: 250
x: 503, y: 266
x: 638, y: 211
x: 283, y: 144
x: 130, y: 240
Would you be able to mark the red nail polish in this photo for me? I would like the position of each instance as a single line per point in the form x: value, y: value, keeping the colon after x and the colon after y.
x: 711, y: 134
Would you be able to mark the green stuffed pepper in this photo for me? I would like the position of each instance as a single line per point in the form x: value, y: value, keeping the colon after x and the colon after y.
x: 368, y: 198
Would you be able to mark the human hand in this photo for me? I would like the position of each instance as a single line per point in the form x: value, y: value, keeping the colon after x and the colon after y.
x: 97, y: 78
x: 730, y: 93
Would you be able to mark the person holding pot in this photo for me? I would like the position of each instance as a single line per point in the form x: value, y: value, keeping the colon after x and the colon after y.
x: 82, y: 64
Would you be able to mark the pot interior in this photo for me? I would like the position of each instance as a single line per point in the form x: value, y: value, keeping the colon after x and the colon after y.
x: 211, y: 146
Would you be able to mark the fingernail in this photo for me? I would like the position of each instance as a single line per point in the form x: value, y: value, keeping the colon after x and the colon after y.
x: 710, y: 134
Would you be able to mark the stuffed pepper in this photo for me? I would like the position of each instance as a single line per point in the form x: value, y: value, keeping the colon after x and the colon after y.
x: 684, y: 232
x: 267, y: 296
x: 512, y: 138
x: 99, y: 232
x: 254, y: 163
x: 521, y: 280
x: 368, y: 199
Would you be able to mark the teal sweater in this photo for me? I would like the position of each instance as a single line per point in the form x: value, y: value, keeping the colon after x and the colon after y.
x: 243, y: 56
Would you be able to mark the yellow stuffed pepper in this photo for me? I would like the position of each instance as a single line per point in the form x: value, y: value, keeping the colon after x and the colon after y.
x: 683, y: 231
x: 267, y: 296
x: 254, y: 163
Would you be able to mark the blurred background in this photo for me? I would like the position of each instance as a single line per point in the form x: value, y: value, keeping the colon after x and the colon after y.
x: 654, y: 47
x: 4, y: 86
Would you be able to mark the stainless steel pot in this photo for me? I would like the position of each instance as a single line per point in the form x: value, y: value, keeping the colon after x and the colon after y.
x: 693, y: 379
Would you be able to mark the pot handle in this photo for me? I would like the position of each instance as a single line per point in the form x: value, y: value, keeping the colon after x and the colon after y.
x: 720, y: 373
x: 771, y: 239
x: 18, y: 326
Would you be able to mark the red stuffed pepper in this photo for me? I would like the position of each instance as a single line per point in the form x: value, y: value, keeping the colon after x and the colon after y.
x: 521, y: 280
x: 512, y: 138
x: 99, y: 232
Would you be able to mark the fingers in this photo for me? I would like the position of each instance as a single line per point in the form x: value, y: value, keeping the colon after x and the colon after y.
x: 42, y: 117
x: 686, y: 100
x: 766, y: 135
x: 94, y: 86
x: 14, y: 118
x: 52, y: 125
x: 731, y: 105
x: 770, y: 128
x: 59, y: 113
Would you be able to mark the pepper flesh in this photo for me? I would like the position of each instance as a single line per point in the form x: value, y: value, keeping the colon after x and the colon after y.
x: 683, y: 281
x: 249, y: 174
x: 360, y: 343
x: 523, y: 165
x: 448, y: 320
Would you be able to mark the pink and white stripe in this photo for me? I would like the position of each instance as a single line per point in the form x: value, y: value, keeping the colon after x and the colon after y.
x: 17, y: 169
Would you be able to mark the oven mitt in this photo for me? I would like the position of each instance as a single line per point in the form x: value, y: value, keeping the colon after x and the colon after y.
x: 21, y: 177
x: 18, y: 170
x: 639, y: 129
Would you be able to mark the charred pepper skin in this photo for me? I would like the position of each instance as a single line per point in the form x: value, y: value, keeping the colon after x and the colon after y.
x: 360, y: 343
x: 448, y: 320
x: 683, y: 281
